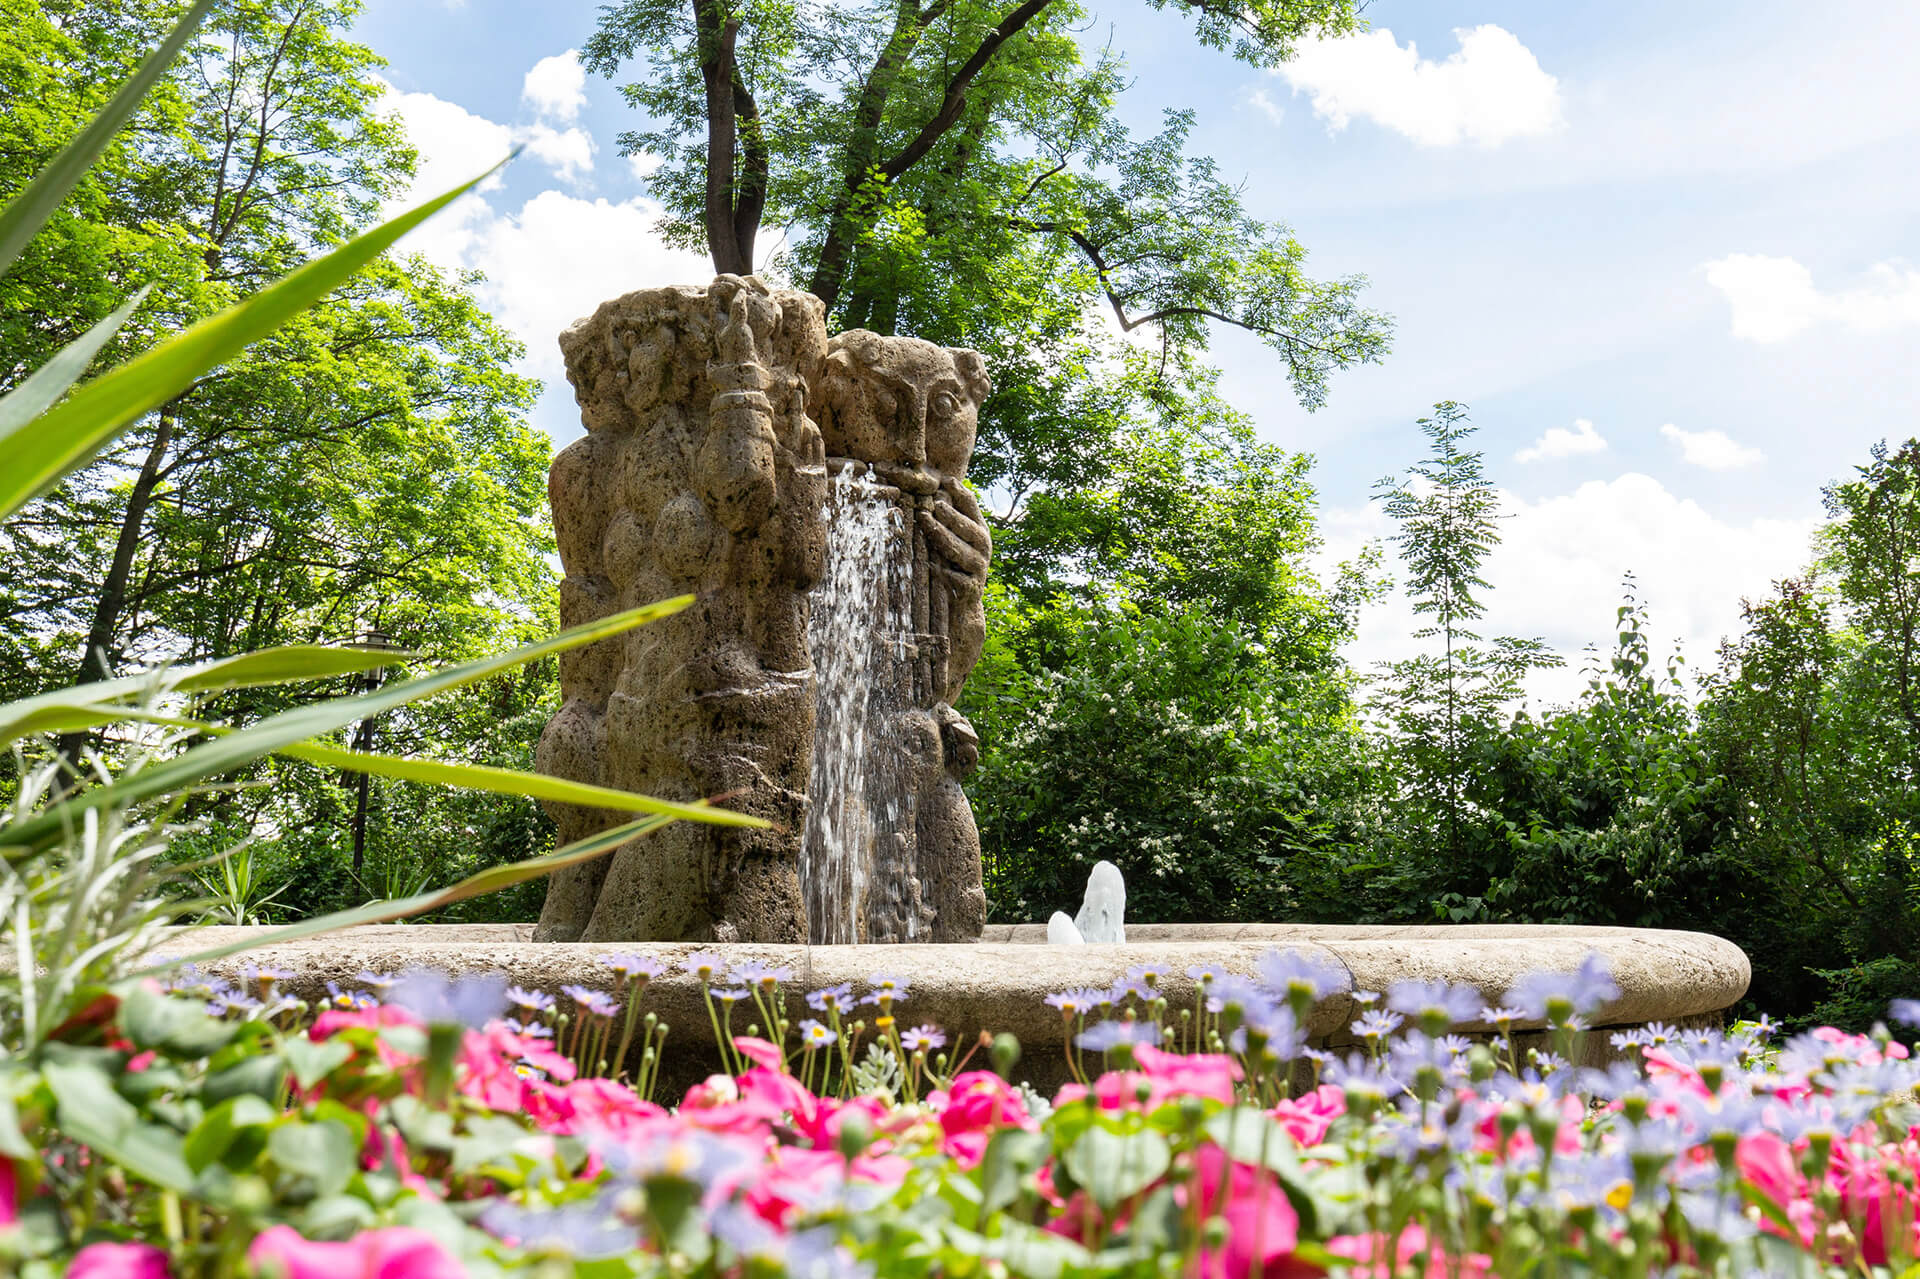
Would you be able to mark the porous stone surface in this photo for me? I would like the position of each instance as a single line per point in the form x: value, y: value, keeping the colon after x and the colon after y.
x: 704, y: 471
x: 904, y: 415
x: 1000, y: 985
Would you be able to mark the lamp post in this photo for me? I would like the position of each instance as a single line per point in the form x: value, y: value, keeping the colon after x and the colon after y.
x: 363, y: 742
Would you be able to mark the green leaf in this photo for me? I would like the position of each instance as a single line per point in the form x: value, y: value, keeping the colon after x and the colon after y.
x: 256, y: 1076
x: 69, y: 435
x: 337, y: 1217
x: 224, y: 754
x: 50, y: 381
x: 1113, y: 1167
x: 323, y: 1153
x: 313, y: 1060
x: 1160, y: 1224
x: 178, y: 1027
x: 13, y: 1142
x: 424, y: 1127
x: 675, y: 1219
x: 213, y: 1136
x: 507, y: 781
x: 89, y: 1111
x: 487, y: 881
x: 70, y: 709
x: 1012, y: 1155
x: 27, y: 212
x: 1034, y: 1253
x: 1253, y: 1137
x: 491, y: 1143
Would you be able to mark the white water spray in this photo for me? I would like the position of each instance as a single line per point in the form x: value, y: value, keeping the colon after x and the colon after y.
x: 860, y: 636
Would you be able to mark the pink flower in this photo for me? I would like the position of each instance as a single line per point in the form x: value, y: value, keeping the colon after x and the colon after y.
x: 978, y: 1103
x: 822, y: 1127
x: 1308, y: 1118
x: 714, y: 1090
x: 335, y: 1020
x: 1262, y: 1227
x: 492, y: 1063
x: 1162, y: 1077
x: 591, y: 1105
x: 760, y: 1052
x: 10, y: 1178
x: 118, y: 1261
x: 1188, y: 1075
x: 1411, y: 1253
x: 392, y: 1252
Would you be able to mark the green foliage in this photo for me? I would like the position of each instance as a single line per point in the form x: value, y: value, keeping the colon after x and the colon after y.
x: 1207, y: 771
x: 1443, y: 705
x: 364, y: 466
x: 80, y: 841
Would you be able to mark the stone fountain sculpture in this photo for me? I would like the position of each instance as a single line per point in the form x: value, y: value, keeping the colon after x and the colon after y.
x: 810, y: 491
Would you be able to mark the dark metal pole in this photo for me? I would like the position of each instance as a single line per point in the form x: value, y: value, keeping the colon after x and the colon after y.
x: 363, y: 742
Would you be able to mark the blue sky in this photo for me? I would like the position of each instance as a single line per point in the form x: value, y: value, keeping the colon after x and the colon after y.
x: 1690, y: 227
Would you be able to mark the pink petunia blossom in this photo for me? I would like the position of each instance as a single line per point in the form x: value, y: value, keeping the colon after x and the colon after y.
x: 760, y: 1052
x: 1308, y: 1118
x: 978, y: 1103
x: 1262, y: 1228
x: 335, y: 1020
x: 392, y: 1252
x: 1413, y: 1254
x: 118, y: 1261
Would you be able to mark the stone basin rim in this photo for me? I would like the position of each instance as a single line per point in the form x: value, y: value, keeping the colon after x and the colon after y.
x: 1665, y: 975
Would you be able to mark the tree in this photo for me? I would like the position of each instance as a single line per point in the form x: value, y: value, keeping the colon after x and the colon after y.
x: 1872, y: 546
x: 370, y: 466
x: 1441, y: 703
x: 953, y: 170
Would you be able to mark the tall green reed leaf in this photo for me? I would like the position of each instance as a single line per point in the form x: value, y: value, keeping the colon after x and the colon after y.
x: 291, y: 727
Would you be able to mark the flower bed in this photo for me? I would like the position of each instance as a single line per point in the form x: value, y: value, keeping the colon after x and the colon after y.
x: 424, y: 1126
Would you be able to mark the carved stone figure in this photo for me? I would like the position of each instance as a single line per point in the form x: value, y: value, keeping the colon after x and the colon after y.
x: 711, y: 413
x: 910, y: 410
x: 701, y: 472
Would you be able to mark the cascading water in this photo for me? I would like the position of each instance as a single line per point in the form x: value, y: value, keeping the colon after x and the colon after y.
x: 856, y: 854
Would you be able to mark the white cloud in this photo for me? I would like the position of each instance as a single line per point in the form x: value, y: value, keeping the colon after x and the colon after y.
x: 1557, y: 574
x: 1773, y: 299
x: 569, y: 152
x: 559, y: 257
x: 1268, y: 107
x: 454, y: 145
x: 1560, y: 442
x: 1715, y: 450
x: 644, y: 165
x: 556, y: 87
x: 554, y: 260
x: 1491, y: 91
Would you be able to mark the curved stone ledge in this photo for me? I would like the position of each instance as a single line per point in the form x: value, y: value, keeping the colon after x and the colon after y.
x: 1000, y: 984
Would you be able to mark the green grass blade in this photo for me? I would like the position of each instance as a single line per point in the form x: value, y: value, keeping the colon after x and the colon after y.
x: 27, y: 212
x: 491, y: 880
x: 288, y: 664
x: 68, y: 710
x: 508, y: 781
x: 224, y: 754
x: 51, y: 380
x: 69, y: 435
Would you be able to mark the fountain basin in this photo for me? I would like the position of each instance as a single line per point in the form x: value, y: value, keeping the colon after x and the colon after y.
x: 1000, y: 984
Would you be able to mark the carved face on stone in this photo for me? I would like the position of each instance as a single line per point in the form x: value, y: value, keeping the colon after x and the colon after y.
x: 902, y: 400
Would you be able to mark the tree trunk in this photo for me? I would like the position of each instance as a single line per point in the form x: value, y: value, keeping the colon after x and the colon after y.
x: 96, y: 658
x: 716, y: 35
